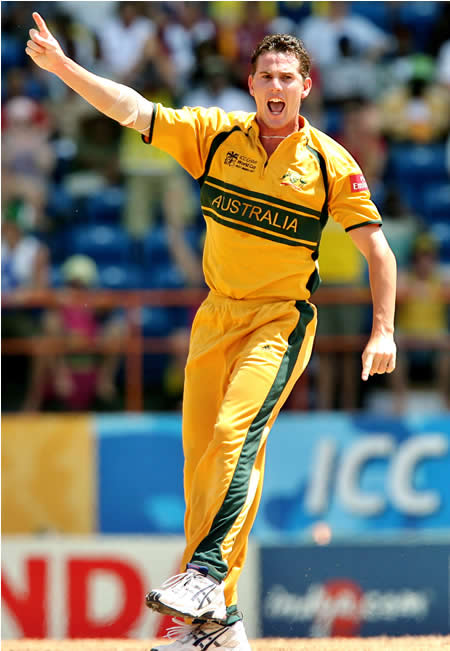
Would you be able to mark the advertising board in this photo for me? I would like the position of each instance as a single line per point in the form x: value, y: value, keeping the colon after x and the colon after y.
x: 94, y: 586
x: 352, y: 590
x: 123, y: 474
x: 359, y: 474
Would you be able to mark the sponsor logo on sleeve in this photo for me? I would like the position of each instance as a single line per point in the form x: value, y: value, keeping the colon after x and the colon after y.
x: 358, y: 183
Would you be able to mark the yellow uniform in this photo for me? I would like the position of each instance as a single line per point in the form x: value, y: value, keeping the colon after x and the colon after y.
x: 424, y: 313
x: 252, y: 337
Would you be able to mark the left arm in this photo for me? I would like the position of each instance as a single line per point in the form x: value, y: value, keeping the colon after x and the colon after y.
x: 380, y: 352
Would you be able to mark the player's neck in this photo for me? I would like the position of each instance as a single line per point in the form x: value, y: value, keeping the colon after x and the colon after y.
x: 278, y: 135
x: 270, y: 144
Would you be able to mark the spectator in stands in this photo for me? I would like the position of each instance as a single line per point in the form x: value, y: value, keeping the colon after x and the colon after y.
x: 23, y: 82
x: 185, y: 32
x: 97, y: 150
x: 188, y: 260
x: 323, y: 34
x: 78, y: 39
x: 138, y: 61
x: 216, y: 89
x: 240, y: 25
x: 27, y: 156
x: 360, y: 134
x: 173, y: 376
x: 399, y: 66
x: 25, y: 260
x: 443, y: 65
x: 417, y: 111
x: 288, y: 14
x: 341, y: 266
x: 24, y: 267
x: 422, y: 320
x: 400, y: 225
x: 136, y: 35
x: 349, y: 77
x: 155, y: 185
x: 14, y: 29
x: 440, y: 31
x: 253, y: 26
x: 447, y: 155
x: 75, y: 381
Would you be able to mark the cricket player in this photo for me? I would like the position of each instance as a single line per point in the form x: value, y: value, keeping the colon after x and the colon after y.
x: 269, y: 181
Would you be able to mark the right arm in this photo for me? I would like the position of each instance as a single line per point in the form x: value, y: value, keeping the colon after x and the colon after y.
x: 115, y: 100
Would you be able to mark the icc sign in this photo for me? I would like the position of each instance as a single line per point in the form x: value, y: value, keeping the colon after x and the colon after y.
x: 402, y: 462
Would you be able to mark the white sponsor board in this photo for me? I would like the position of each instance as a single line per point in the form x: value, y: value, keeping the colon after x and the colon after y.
x: 94, y: 586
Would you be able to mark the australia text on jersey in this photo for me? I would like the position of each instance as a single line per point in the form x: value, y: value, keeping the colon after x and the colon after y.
x: 260, y: 214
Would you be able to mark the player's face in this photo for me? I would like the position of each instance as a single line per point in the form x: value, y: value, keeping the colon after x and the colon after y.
x: 278, y: 89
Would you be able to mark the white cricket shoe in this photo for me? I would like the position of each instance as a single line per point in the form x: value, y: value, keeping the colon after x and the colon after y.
x: 206, y: 635
x: 190, y: 594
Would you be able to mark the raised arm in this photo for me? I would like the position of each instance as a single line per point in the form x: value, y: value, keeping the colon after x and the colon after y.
x: 117, y: 101
x: 379, y: 355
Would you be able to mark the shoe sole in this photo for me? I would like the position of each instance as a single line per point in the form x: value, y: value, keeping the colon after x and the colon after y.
x: 163, y: 609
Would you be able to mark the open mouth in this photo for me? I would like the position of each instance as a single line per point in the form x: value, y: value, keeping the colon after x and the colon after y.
x: 276, y: 106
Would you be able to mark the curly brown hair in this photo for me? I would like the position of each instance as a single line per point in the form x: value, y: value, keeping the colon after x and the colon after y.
x: 283, y: 43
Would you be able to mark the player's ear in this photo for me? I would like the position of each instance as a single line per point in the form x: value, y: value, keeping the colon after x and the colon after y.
x: 307, y: 84
x: 250, y: 85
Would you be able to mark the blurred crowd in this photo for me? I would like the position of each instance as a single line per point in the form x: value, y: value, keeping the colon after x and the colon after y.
x: 85, y: 204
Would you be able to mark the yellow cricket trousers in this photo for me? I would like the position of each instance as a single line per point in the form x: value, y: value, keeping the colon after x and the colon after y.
x: 245, y: 357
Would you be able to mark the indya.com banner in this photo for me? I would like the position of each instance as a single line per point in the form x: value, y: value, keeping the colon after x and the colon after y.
x: 351, y: 590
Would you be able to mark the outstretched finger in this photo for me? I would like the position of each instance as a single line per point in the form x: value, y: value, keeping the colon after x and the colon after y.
x: 40, y: 22
x: 31, y: 45
x: 367, y: 366
x: 37, y: 38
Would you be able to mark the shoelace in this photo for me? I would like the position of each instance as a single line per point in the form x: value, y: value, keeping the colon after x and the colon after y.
x: 176, y: 579
x: 180, y: 630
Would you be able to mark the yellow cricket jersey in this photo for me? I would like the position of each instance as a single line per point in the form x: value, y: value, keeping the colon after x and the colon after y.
x: 424, y: 312
x: 264, y: 215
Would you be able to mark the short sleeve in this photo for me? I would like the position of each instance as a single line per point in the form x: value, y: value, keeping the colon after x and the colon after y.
x: 186, y: 134
x: 349, y: 196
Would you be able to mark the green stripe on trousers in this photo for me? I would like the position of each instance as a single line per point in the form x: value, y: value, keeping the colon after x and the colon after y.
x: 208, y: 553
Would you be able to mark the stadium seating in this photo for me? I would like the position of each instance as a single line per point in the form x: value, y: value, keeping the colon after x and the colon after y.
x: 376, y: 12
x: 106, y: 207
x: 437, y: 203
x: 413, y: 168
x: 115, y: 276
x: 420, y: 17
x: 441, y: 231
x: 104, y: 243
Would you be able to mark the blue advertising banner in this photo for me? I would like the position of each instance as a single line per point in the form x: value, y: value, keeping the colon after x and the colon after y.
x: 355, y: 473
x: 140, y: 474
x: 352, y: 474
x: 368, y: 590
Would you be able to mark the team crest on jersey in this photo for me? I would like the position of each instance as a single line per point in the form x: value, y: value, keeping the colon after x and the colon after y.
x: 234, y: 159
x: 294, y: 179
x: 231, y: 158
